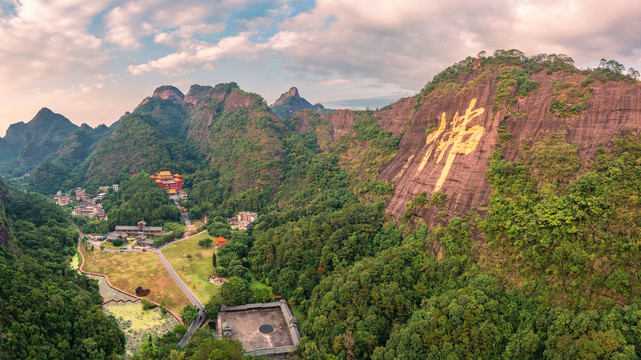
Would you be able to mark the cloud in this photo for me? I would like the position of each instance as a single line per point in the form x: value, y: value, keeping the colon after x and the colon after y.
x: 44, y: 40
x: 406, y: 42
x: 167, y: 21
x: 198, y: 54
x: 334, y: 82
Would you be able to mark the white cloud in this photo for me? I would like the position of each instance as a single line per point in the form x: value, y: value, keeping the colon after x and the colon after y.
x: 405, y: 42
x: 42, y: 40
x: 199, y: 54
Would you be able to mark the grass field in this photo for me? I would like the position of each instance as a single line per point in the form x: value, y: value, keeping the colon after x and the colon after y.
x: 128, y: 270
x: 136, y: 322
x: 194, y: 271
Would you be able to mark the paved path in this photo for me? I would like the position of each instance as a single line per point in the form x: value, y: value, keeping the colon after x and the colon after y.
x: 190, y: 295
x: 184, y: 216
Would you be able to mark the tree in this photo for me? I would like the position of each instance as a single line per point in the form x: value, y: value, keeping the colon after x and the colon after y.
x: 205, y: 243
x: 213, y: 260
x: 262, y: 294
x: 235, y: 292
x: 189, y: 313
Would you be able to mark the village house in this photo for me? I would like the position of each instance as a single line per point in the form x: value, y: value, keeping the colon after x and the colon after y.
x: 89, y: 211
x: 243, y: 220
x: 114, y: 236
x: 62, y: 200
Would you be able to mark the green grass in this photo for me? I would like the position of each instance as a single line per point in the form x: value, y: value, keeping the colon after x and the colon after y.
x: 194, y: 271
x: 136, y: 322
x: 75, y: 261
x: 255, y: 283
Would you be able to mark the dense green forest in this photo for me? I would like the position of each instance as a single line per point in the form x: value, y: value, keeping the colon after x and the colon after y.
x: 49, y: 311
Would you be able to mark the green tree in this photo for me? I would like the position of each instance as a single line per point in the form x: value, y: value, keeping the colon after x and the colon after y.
x: 189, y: 313
x: 205, y: 243
x: 235, y: 291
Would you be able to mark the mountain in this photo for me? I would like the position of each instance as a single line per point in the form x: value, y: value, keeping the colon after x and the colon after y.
x: 221, y: 128
x: 54, y: 171
x: 502, y: 103
x: 291, y: 102
x: 25, y: 145
x: 151, y: 137
x: 239, y: 134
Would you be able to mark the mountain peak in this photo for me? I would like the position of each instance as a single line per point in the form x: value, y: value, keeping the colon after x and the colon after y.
x: 45, y: 111
x: 292, y: 93
x: 168, y: 92
x: 291, y: 102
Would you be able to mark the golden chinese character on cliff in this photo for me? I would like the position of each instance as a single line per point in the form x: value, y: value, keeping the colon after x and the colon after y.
x: 440, y: 140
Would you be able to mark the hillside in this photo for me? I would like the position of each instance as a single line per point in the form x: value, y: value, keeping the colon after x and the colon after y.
x: 239, y: 135
x: 149, y: 138
x: 25, y: 145
x: 50, y: 310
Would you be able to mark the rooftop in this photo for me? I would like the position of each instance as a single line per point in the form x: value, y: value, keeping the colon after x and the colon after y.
x: 267, y: 328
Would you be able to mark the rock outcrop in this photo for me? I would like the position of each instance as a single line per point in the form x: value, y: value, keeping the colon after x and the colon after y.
x: 291, y: 102
x: 454, y: 130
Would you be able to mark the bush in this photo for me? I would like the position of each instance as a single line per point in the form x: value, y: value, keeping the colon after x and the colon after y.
x: 146, y: 304
x: 117, y: 242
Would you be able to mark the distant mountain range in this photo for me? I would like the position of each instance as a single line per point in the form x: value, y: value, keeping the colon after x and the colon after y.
x: 47, y: 136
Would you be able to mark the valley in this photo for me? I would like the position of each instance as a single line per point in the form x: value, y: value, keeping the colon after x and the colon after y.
x: 495, y: 214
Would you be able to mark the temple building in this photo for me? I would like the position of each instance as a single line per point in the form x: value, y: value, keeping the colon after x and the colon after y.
x: 169, y: 181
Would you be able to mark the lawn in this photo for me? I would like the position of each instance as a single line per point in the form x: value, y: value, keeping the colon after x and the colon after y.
x: 194, y: 271
x: 128, y: 270
x: 136, y: 322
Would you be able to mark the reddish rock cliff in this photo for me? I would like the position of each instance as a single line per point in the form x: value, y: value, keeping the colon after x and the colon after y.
x: 454, y: 130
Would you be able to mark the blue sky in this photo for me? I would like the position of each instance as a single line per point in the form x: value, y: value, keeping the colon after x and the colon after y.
x: 93, y: 60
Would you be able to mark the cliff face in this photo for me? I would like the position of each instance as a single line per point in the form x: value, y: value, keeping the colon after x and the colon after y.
x: 455, y: 129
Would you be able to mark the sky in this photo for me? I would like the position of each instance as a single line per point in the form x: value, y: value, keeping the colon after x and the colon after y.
x: 92, y: 61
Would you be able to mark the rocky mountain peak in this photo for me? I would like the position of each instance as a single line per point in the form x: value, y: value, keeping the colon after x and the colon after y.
x: 291, y: 102
x: 292, y: 93
x: 168, y: 92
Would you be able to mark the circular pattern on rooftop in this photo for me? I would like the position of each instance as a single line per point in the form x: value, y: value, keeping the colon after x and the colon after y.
x: 266, y: 329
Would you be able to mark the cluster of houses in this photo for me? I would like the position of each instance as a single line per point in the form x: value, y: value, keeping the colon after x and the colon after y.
x: 85, y: 205
x: 243, y: 220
